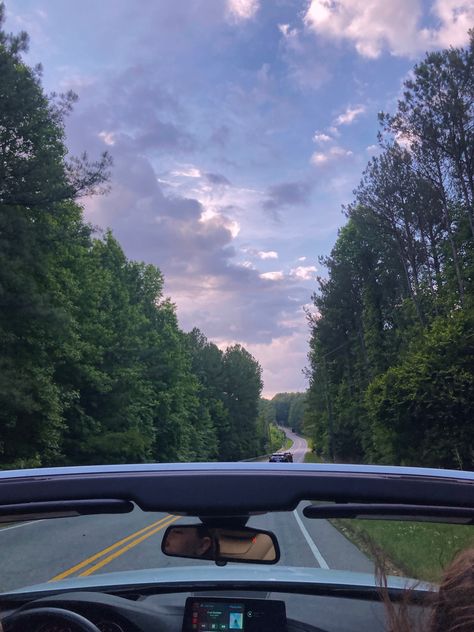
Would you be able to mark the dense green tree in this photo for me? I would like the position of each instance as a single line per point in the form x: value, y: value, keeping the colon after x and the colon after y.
x: 390, y: 354
x: 420, y: 409
x: 296, y: 413
x: 213, y: 418
x: 38, y: 224
x: 288, y: 409
x: 281, y: 403
x: 242, y: 386
x: 115, y: 400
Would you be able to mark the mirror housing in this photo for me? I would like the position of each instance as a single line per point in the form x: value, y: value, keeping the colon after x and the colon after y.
x: 221, y: 544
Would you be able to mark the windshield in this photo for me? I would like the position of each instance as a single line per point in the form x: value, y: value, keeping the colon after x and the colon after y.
x: 88, y: 546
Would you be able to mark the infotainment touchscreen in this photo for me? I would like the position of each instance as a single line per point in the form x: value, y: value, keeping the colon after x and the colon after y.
x: 216, y: 614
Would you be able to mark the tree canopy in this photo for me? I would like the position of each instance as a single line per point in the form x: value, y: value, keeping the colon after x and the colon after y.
x: 285, y: 409
x: 391, y: 351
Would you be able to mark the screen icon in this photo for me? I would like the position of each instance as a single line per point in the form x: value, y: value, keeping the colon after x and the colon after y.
x: 236, y: 621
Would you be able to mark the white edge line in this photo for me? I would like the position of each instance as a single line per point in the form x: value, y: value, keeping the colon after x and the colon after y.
x: 314, y: 549
x: 23, y: 524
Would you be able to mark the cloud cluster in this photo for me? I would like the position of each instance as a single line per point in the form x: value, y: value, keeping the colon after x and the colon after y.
x: 306, y: 273
x: 321, y: 137
x: 197, y: 121
x: 334, y: 152
x: 373, y: 26
x: 176, y: 217
x: 242, y: 9
x: 267, y: 254
x: 456, y: 17
x: 198, y: 258
x: 320, y: 158
x: 276, y: 275
x: 349, y: 116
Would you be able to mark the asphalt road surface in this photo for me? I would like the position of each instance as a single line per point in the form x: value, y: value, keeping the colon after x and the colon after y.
x: 299, y: 447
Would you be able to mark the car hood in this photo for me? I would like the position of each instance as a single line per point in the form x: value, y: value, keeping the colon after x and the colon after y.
x: 227, y: 578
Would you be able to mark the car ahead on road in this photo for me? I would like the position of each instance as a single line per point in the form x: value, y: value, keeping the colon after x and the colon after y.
x: 281, y: 457
x: 229, y: 546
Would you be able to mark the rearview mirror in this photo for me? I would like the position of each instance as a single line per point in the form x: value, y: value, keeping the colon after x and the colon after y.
x: 221, y: 544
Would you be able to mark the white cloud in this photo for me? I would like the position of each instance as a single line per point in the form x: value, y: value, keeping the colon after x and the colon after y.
x: 301, y: 258
x: 210, y: 215
x: 305, y: 273
x: 377, y: 25
x: 291, y: 37
x: 187, y: 171
x: 372, y: 149
x: 107, y: 137
x: 340, y: 151
x: 267, y: 254
x: 242, y: 9
x: 232, y: 226
x: 350, y: 115
x: 371, y: 25
x: 310, y: 309
x: 276, y: 275
x: 287, y: 31
x: 456, y: 18
x: 320, y: 137
x: 247, y: 264
x: 320, y: 158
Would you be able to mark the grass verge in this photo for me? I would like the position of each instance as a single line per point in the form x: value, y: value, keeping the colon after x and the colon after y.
x: 312, y: 457
x: 288, y: 444
x: 277, y: 437
x: 413, y: 549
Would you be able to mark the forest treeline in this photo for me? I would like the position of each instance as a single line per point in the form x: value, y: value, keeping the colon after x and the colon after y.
x: 284, y: 409
x: 93, y: 365
x: 392, y: 346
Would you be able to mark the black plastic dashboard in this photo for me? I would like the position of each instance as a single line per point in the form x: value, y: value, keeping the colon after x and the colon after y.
x: 142, y: 611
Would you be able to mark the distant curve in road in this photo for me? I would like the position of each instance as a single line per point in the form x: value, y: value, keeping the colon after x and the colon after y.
x: 299, y: 447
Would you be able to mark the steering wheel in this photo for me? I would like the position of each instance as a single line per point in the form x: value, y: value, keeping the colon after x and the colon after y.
x: 77, y: 621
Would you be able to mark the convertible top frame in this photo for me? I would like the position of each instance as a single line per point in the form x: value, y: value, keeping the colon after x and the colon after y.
x: 238, y: 488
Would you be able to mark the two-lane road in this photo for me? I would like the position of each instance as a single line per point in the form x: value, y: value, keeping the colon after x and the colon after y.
x: 299, y: 447
x: 50, y: 550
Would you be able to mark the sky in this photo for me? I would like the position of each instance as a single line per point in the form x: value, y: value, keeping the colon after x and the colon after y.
x: 238, y: 130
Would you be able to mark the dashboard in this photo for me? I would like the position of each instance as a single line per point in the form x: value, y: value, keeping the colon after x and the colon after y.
x: 205, y: 612
x: 111, y: 613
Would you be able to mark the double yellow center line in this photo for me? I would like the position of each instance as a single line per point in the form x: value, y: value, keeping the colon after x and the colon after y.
x: 115, y: 550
